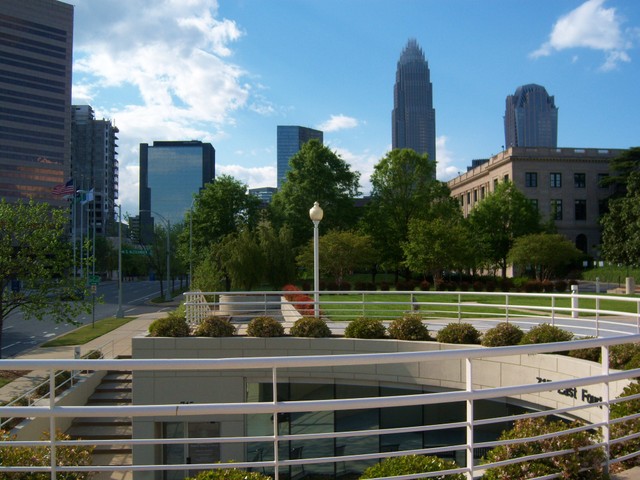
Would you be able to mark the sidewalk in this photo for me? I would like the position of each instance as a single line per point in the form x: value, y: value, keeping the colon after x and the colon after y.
x: 113, y: 344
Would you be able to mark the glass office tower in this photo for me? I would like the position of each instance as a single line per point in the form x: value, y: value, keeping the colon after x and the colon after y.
x: 290, y: 140
x: 35, y: 98
x: 413, y: 117
x: 171, y: 173
x: 531, y: 118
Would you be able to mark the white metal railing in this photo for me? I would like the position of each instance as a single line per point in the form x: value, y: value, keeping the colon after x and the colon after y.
x: 620, y: 326
x: 581, y: 313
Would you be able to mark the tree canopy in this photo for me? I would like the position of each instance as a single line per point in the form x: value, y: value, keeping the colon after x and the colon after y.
x: 36, y: 257
x: 546, y: 253
x: 499, y: 219
x: 621, y: 169
x: 621, y: 226
x: 404, y: 188
x: 316, y: 175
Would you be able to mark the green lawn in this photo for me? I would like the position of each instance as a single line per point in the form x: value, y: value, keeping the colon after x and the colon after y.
x: 444, y: 305
x: 85, y: 334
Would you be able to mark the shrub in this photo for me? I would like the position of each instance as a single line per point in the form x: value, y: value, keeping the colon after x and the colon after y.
x: 547, y: 286
x: 502, y: 334
x: 546, y: 333
x: 490, y: 286
x: 265, y: 326
x: 345, y: 286
x: 384, y: 286
x: 627, y: 427
x: 409, y: 327
x: 365, y: 328
x: 40, y: 457
x: 404, y: 286
x: 577, y: 465
x: 463, y: 333
x: 425, y: 286
x: 411, y: 464
x: 561, y: 286
x: 215, y: 327
x: 533, y: 286
x: 506, y: 284
x: 169, y: 326
x: 290, y: 288
x: 310, y: 327
x: 477, y: 286
x: 229, y: 474
x: 591, y: 354
x: 621, y: 355
x: 464, y: 286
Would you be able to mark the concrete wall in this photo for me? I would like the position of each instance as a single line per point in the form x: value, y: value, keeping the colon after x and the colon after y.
x: 165, y: 387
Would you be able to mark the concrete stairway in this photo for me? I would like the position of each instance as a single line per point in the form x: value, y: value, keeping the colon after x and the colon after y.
x: 115, y: 389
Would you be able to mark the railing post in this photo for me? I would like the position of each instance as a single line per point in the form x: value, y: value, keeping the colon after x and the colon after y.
x: 574, y: 301
x: 469, y: 380
x: 363, y: 304
x: 597, y: 316
x: 606, y: 414
x: 276, y: 425
x: 553, y: 310
x: 52, y: 421
x: 459, y: 307
x: 506, y: 306
x: 638, y: 318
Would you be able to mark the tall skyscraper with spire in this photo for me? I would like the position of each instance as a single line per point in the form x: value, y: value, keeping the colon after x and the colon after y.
x: 531, y: 118
x: 413, y: 117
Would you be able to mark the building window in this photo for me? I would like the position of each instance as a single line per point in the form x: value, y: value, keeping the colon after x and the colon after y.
x: 556, y: 209
x: 475, y: 195
x: 506, y: 178
x: 603, y: 206
x: 468, y: 198
x: 581, y: 210
x: 481, y: 193
x: 579, y: 180
x: 531, y: 179
x: 495, y: 183
x: 556, y: 179
x: 534, y: 202
x: 602, y: 177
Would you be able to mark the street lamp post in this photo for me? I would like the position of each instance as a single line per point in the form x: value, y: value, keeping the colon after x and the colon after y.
x: 316, y: 213
x: 120, y: 312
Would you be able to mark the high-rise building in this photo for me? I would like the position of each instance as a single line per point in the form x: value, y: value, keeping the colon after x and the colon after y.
x: 171, y: 173
x: 35, y: 98
x: 531, y: 118
x: 413, y: 119
x: 290, y: 141
x: 265, y: 194
x: 94, y: 166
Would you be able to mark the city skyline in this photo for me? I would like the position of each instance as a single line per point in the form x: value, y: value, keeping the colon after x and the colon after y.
x: 228, y: 74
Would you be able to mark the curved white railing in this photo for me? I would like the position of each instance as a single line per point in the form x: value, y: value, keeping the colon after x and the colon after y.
x: 615, y: 327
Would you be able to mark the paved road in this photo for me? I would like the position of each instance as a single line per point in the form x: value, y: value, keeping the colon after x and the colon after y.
x: 20, y: 334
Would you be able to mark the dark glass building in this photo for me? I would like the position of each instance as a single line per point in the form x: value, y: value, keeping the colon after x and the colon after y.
x: 290, y: 140
x: 35, y: 98
x: 413, y: 118
x: 531, y: 118
x: 171, y: 173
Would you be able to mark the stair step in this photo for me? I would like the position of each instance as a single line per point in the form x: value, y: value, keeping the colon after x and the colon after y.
x: 113, y: 396
x: 113, y: 375
x: 101, y: 421
x: 114, y: 387
x: 110, y: 450
x: 101, y: 432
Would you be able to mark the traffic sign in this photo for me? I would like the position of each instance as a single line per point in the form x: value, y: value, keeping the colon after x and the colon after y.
x: 94, y: 280
x: 134, y: 252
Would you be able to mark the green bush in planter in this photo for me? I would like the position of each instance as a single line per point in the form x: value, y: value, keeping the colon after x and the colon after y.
x: 229, y: 474
x: 215, y: 327
x: 265, y: 326
x: 170, y: 326
x: 410, y: 464
x: 620, y: 356
x: 365, y: 328
x: 409, y: 327
x: 546, y: 333
x: 591, y: 354
x: 627, y: 427
x: 502, y: 334
x: 462, y: 333
x: 310, y: 327
x: 579, y: 464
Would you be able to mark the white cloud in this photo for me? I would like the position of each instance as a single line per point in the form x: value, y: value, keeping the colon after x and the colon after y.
x: 361, y: 162
x: 445, y: 170
x: 165, y: 75
x: 591, y: 26
x: 254, y: 177
x: 338, y: 122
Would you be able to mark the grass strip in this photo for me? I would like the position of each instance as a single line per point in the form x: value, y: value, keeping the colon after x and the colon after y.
x: 86, y: 333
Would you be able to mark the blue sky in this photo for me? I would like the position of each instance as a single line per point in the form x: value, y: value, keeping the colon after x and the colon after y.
x: 229, y: 72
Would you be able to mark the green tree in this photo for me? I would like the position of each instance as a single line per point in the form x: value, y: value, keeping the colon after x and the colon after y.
x: 242, y: 259
x: 221, y: 208
x: 547, y: 253
x: 437, y: 245
x: 499, y: 219
x: 35, y: 252
x: 404, y: 188
x: 340, y: 253
x: 621, y: 169
x: 279, y: 257
x: 106, y: 255
x: 316, y: 175
x: 621, y: 226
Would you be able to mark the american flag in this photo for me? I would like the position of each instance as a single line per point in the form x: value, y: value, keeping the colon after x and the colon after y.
x: 64, y: 189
